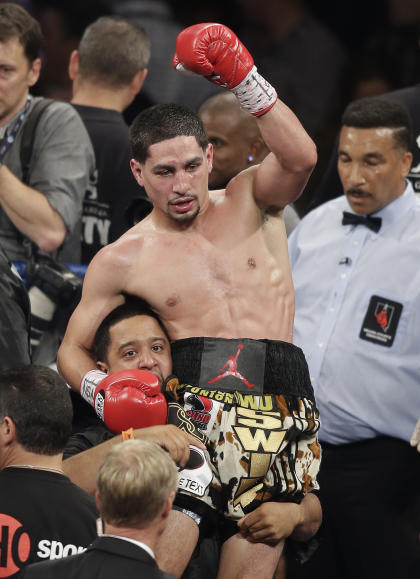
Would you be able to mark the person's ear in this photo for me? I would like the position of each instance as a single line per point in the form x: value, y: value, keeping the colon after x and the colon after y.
x: 34, y: 72
x: 138, y: 80
x: 209, y: 157
x: 258, y: 151
x: 102, y: 366
x: 168, y: 505
x: 74, y: 64
x: 406, y: 161
x: 7, y: 431
x: 137, y: 171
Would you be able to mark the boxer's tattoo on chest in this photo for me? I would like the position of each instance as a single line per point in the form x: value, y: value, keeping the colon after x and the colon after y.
x: 252, y: 263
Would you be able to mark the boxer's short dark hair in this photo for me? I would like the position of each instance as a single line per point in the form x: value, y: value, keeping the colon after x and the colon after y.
x: 162, y: 122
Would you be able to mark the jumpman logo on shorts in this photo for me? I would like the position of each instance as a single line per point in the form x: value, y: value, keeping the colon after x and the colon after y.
x: 232, y: 370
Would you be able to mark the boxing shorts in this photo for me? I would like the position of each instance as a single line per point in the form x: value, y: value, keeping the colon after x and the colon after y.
x: 254, y: 401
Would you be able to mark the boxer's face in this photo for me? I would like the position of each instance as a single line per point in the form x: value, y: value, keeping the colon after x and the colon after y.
x: 175, y: 176
x: 138, y: 343
x: 372, y: 167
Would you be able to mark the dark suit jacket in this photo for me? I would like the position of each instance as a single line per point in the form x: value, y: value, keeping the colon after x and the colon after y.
x: 105, y: 558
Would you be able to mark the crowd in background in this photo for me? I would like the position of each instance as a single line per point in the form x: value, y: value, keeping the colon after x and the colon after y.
x: 320, y: 57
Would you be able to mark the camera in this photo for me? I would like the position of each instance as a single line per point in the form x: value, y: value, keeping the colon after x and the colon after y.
x: 51, y: 285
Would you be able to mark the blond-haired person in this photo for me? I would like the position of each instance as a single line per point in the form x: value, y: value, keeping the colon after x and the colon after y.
x: 136, y: 485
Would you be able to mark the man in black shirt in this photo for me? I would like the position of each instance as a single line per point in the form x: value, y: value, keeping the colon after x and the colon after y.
x: 107, y: 71
x: 43, y: 515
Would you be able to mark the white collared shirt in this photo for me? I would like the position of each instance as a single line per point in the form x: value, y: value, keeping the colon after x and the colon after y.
x: 358, y: 318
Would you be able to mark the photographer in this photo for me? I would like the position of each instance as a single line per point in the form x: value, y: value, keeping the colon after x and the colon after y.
x: 40, y: 207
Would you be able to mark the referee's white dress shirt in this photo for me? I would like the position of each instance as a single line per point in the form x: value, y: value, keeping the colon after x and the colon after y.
x: 358, y: 318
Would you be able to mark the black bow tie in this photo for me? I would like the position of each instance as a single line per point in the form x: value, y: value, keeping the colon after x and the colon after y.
x: 374, y: 223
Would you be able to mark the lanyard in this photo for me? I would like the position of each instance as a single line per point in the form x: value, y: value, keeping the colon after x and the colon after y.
x: 7, y: 141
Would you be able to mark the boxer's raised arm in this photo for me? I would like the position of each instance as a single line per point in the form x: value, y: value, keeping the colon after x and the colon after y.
x: 215, y: 52
x: 284, y: 173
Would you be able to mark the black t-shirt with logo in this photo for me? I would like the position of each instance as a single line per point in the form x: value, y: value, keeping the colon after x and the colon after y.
x: 104, y: 217
x: 43, y: 515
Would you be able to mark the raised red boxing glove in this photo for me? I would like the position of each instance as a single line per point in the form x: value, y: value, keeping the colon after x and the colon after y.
x: 125, y: 399
x: 215, y: 52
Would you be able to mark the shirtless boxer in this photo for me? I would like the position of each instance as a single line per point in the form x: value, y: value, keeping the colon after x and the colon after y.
x: 216, y: 264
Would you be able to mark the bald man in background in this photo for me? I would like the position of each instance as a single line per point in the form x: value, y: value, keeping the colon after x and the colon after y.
x: 237, y: 143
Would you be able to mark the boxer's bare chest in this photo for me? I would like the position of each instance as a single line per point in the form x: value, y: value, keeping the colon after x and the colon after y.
x: 213, y: 284
x: 191, y: 261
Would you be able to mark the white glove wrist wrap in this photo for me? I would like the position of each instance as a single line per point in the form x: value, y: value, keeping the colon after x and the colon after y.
x: 255, y: 94
x: 89, y: 383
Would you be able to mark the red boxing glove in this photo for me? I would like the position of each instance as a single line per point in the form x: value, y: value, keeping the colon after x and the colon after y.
x: 215, y: 52
x: 125, y: 399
